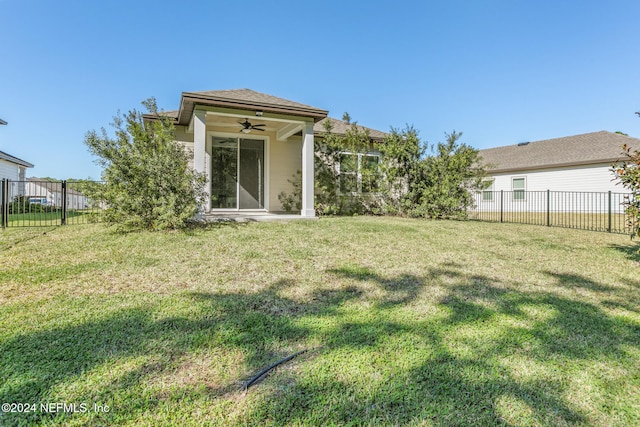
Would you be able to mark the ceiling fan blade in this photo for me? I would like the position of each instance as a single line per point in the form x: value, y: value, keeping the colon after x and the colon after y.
x: 255, y: 128
x: 259, y: 125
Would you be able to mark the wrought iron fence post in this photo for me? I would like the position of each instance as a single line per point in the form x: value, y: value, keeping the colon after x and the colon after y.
x: 3, y: 203
x: 609, y: 223
x: 548, y: 208
x: 63, y: 220
x: 501, y: 204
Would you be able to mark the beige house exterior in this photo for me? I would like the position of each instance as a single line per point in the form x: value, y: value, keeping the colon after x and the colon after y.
x: 249, y: 145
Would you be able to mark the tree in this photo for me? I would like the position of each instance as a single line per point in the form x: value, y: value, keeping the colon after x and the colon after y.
x: 404, y: 182
x: 449, y: 178
x: 332, y: 195
x: 149, y: 184
x: 402, y: 155
x: 628, y: 173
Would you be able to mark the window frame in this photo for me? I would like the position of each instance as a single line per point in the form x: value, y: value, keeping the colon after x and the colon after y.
x: 358, y: 170
x: 489, y: 191
x: 519, y: 191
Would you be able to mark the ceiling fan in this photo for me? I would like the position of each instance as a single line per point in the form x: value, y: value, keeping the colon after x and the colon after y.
x: 248, y: 127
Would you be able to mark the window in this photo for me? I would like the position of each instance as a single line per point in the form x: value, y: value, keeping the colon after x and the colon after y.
x: 487, y: 193
x: 348, y: 173
x: 359, y: 172
x: 518, y: 185
x: 369, y: 173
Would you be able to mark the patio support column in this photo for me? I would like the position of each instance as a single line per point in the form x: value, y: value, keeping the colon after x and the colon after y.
x: 308, y: 178
x: 200, y: 152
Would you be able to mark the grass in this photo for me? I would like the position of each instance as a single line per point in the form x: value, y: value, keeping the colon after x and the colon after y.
x: 619, y: 223
x: 37, y: 219
x: 409, y: 322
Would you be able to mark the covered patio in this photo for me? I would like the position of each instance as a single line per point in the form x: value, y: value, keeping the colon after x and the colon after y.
x: 249, y: 145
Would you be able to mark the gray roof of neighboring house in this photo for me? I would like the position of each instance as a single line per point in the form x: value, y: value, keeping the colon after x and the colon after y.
x: 244, y: 99
x: 2, y: 122
x: 585, y: 149
x: 12, y: 159
x: 340, y: 127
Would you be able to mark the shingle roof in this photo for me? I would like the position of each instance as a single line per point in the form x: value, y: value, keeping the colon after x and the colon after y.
x: 12, y: 159
x: 252, y: 97
x: 340, y: 127
x: 245, y: 99
x: 588, y: 148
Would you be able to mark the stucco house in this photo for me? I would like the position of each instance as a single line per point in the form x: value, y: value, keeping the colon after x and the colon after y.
x: 249, y: 145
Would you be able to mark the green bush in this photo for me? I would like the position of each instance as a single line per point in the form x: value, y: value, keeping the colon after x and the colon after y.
x: 149, y: 184
x: 628, y: 173
x: 21, y: 204
x: 405, y: 182
x: 449, y: 178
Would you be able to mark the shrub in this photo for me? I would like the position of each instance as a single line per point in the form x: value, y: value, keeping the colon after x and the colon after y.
x: 449, y: 178
x: 628, y: 173
x: 149, y: 184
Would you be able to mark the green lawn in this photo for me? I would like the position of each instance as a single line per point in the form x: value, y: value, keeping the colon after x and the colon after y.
x: 619, y: 223
x: 410, y: 322
x: 38, y: 219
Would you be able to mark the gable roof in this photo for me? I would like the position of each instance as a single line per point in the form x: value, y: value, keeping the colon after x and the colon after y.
x: 12, y: 159
x: 244, y: 99
x: 584, y: 149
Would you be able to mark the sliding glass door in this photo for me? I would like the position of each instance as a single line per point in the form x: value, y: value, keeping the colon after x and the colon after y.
x: 237, y: 173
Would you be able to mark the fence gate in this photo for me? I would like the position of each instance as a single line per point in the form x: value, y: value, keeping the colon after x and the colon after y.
x: 39, y: 203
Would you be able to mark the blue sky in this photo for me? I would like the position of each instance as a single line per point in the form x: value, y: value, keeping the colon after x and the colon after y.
x: 500, y: 71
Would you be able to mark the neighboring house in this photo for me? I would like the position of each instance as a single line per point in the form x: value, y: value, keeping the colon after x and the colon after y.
x: 13, y: 169
x: 580, y: 163
x: 573, y: 163
x: 250, y: 144
x: 50, y: 193
x: 2, y: 122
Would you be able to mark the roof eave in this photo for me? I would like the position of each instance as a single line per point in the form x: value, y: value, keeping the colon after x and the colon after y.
x: 190, y: 100
x: 147, y: 117
x: 17, y: 161
x: 557, y: 165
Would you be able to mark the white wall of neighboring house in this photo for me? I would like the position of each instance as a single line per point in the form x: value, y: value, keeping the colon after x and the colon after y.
x: 9, y: 170
x: 15, y: 173
x: 77, y: 201
x: 52, y: 195
x: 573, y: 189
x: 591, y: 178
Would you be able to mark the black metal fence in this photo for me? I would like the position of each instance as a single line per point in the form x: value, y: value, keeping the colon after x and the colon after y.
x: 34, y: 203
x: 570, y: 209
